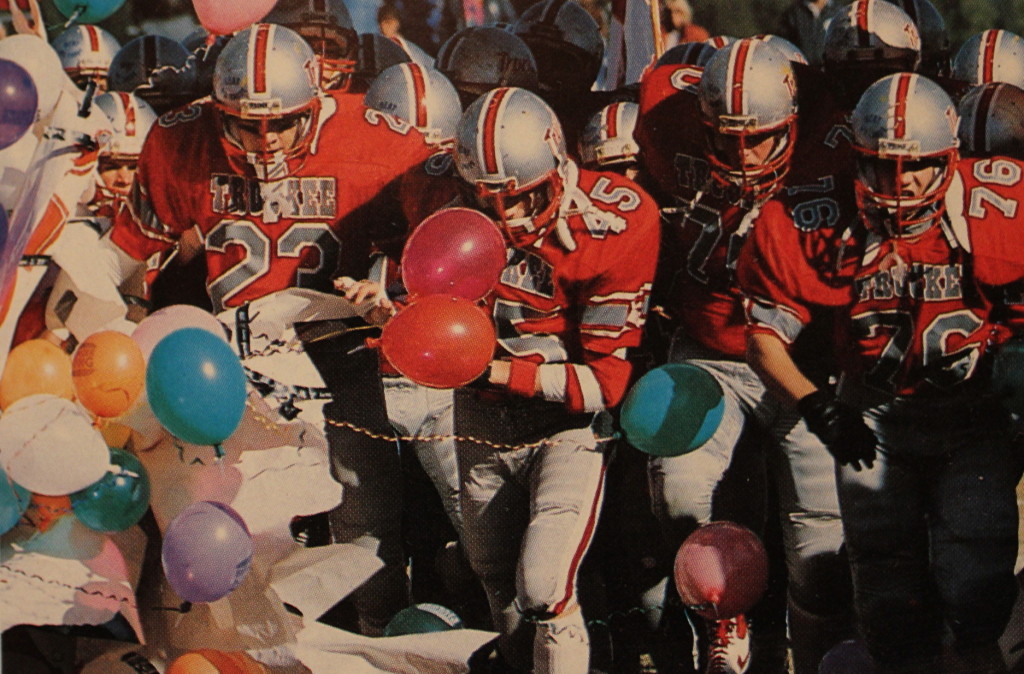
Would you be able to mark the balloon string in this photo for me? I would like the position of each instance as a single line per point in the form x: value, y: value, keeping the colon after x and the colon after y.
x: 79, y: 10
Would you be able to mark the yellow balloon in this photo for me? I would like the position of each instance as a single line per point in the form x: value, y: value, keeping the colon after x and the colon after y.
x: 36, y: 366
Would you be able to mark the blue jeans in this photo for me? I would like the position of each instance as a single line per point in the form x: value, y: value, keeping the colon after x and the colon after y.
x: 931, y: 529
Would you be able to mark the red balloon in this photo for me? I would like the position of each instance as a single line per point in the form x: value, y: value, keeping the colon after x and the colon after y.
x: 455, y: 251
x: 439, y: 341
x: 721, y: 570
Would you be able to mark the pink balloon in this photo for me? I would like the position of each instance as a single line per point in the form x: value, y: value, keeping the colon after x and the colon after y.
x: 161, y: 323
x: 455, y: 251
x: 223, y: 17
x: 721, y: 570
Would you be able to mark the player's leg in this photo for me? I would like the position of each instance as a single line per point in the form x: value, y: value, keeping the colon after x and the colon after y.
x: 974, y: 536
x: 566, y: 478
x: 884, y: 522
x: 819, y: 587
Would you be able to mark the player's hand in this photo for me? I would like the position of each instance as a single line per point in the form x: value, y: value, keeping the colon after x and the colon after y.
x: 380, y: 310
x: 840, y: 427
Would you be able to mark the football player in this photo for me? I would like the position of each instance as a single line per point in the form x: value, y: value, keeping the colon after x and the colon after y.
x: 257, y: 173
x: 327, y: 26
x: 990, y: 56
x: 570, y: 303
x: 748, y: 104
x: 925, y: 471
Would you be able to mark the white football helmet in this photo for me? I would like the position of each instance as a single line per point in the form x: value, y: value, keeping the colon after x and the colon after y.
x: 510, y: 150
x: 131, y: 118
x: 792, y: 52
x: 904, y: 123
x: 421, y: 96
x: 991, y: 56
x: 748, y: 97
x: 267, y: 80
x: 86, y: 52
x: 872, y: 33
x: 607, y: 141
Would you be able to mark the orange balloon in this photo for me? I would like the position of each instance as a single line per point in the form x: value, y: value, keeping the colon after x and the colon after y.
x: 36, y: 366
x: 109, y: 372
x: 209, y: 661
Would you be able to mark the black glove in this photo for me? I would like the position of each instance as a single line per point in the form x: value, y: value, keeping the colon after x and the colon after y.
x: 840, y: 427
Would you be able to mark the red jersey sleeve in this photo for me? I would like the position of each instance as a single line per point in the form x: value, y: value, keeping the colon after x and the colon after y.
x: 990, y: 193
x: 783, y: 272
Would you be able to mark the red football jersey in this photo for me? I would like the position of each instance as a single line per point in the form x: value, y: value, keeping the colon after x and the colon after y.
x: 919, y: 312
x: 260, y: 237
x: 574, y: 313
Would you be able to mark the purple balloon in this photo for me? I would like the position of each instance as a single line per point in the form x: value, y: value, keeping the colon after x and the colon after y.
x: 18, y: 101
x: 207, y: 551
x: 161, y: 323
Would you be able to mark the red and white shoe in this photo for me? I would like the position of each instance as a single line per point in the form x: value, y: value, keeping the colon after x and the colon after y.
x: 729, y: 650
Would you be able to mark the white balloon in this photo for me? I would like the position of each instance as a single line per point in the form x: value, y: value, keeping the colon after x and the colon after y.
x: 49, y: 446
x: 38, y: 58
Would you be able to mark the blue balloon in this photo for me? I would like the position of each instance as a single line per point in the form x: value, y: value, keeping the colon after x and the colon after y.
x: 14, y: 501
x: 88, y: 11
x: 196, y: 386
x: 672, y: 410
x: 1008, y: 375
x: 117, y: 500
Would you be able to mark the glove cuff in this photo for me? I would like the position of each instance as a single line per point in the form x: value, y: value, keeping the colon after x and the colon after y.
x: 813, y: 404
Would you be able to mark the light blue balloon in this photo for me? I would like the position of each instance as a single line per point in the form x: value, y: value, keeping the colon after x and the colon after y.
x: 88, y: 11
x: 14, y: 501
x: 196, y: 386
x: 672, y: 410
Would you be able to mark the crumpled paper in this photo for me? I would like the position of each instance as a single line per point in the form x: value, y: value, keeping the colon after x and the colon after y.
x: 69, y: 575
x: 326, y: 650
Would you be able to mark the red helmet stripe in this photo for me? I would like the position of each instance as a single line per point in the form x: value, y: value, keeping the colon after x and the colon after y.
x: 899, y: 126
x: 259, y: 59
x: 491, y: 130
x: 129, y: 113
x: 981, y: 116
x: 419, y: 89
x: 988, y: 54
x: 94, y: 37
x: 613, y: 120
x: 739, y: 67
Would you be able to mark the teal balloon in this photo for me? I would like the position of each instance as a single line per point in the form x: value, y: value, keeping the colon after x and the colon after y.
x: 423, y: 618
x: 88, y: 11
x: 14, y: 500
x: 672, y: 410
x: 196, y: 386
x: 118, y: 500
x: 1008, y: 375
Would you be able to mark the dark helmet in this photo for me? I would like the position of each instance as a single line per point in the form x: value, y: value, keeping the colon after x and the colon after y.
x: 376, y: 54
x: 328, y: 28
x: 688, y: 53
x: 992, y: 121
x: 480, y: 58
x: 935, y: 45
x: 154, y: 68
x: 566, y: 43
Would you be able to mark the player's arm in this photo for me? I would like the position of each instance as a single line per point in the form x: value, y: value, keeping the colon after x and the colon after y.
x: 611, y: 322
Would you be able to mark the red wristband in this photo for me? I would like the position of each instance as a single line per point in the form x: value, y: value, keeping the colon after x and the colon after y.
x: 522, y: 377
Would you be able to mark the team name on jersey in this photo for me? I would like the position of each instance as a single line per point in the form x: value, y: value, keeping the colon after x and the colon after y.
x: 694, y: 173
x: 528, y: 273
x: 928, y: 282
x: 294, y: 198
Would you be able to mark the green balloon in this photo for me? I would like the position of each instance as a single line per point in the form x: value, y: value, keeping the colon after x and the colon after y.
x: 118, y: 500
x: 423, y: 618
x: 672, y: 410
